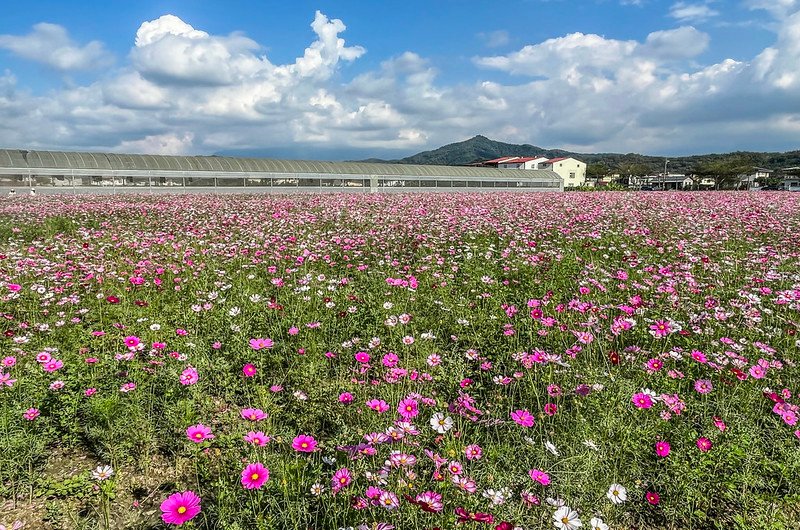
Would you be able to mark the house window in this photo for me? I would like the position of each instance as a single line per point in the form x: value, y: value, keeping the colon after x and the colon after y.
x: 572, y: 175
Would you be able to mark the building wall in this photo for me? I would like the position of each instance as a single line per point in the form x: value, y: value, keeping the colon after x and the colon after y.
x: 572, y: 171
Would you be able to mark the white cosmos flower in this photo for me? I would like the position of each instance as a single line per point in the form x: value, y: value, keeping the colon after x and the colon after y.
x: 598, y: 524
x: 102, y: 472
x: 552, y: 448
x: 441, y: 423
x: 617, y: 493
x: 317, y: 489
x: 566, y: 518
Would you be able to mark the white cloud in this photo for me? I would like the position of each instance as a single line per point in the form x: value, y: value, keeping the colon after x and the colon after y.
x: 681, y: 43
x: 779, y: 8
x: 685, y: 12
x: 160, y: 144
x: 189, y: 91
x: 50, y: 44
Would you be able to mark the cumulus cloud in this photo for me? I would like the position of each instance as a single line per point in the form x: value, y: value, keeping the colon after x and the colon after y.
x: 186, y: 90
x: 159, y: 144
x: 50, y: 44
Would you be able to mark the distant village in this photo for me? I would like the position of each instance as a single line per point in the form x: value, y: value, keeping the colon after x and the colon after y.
x: 573, y: 172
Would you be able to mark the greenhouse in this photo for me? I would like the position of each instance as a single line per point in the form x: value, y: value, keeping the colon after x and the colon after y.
x: 75, y: 172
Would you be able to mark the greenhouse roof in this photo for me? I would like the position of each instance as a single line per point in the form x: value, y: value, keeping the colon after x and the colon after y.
x: 24, y: 159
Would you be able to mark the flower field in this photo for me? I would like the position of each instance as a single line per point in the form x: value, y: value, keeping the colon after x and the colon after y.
x: 499, y: 361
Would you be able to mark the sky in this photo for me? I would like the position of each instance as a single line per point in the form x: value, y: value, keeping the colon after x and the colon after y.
x: 345, y: 79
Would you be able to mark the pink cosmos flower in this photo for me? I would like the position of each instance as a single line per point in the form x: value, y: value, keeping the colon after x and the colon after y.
x: 13, y: 287
x: 89, y: 392
x: 662, y: 448
x: 473, y: 452
x: 293, y: 330
x: 390, y: 360
x: 5, y: 379
x: 257, y: 438
x: 254, y: 476
x: 539, y: 476
x: 378, y: 405
x: 455, y: 467
x: 757, y: 371
x: 719, y: 424
x: 258, y: 344
x: 199, y: 433
x: 341, y: 479
x: 389, y: 500
x: 52, y: 365
x: 189, y: 376
x: 408, y: 408
x: 9, y: 361
x: 180, y: 507
x: 304, y: 443
x: 660, y: 328
x: 703, y: 386
x: 523, y: 417
x: 345, y: 397
x: 31, y: 414
x: 642, y: 400
x: 249, y: 370
x: 253, y: 414
x: 43, y: 357
x: 131, y: 341
x: 550, y: 409
x: 430, y: 501
x: 704, y: 444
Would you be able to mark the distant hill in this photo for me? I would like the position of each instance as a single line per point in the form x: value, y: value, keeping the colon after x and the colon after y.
x: 480, y: 148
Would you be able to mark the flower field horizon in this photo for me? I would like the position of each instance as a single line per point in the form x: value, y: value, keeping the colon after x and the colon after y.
x: 418, y: 361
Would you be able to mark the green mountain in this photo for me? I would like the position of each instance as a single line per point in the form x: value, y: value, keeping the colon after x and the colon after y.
x: 481, y: 148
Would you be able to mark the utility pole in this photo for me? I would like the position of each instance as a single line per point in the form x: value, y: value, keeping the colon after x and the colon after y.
x: 664, y: 178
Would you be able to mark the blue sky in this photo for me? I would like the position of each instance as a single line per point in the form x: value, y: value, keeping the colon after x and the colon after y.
x: 344, y: 79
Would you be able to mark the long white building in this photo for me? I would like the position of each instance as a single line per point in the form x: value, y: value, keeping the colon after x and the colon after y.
x: 76, y: 172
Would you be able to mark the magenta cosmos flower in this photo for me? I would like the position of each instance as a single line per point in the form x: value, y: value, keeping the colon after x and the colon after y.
x: 180, y: 507
x: 642, y: 400
x: 523, y: 417
x: 408, y: 408
x: 662, y: 448
x: 704, y: 444
x: 199, y: 433
x: 254, y: 476
x: 249, y: 370
x: 304, y: 443
x: 253, y: 414
x: 652, y: 497
x: 131, y: 341
x: 539, y: 476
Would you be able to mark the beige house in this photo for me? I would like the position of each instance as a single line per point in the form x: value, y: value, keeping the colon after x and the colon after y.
x: 573, y: 171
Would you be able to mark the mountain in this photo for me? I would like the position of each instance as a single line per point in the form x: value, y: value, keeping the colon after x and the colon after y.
x: 482, y: 148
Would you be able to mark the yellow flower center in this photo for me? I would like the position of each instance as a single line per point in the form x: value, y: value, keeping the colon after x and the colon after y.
x: 198, y: 435
x: 304, y: 445
x: 565, y: 520
x: 615, y: 493
x: 182, y: 510
x: 254, y: 476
